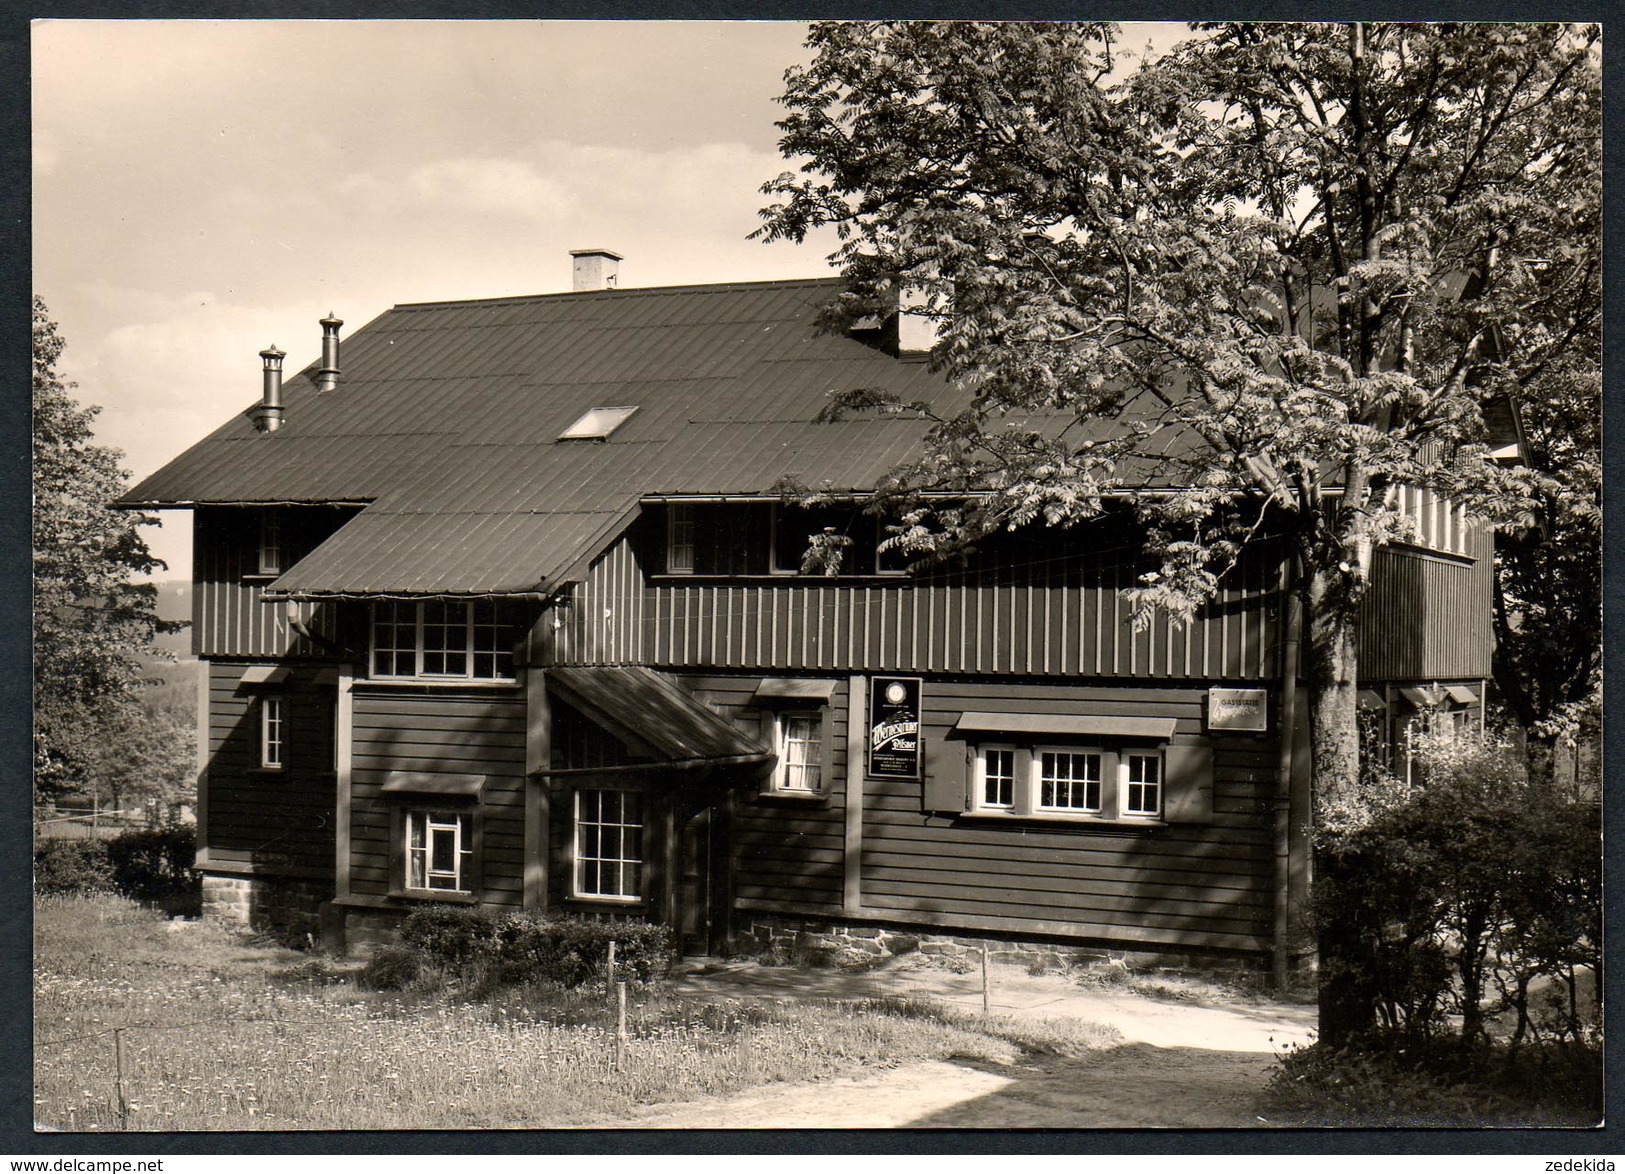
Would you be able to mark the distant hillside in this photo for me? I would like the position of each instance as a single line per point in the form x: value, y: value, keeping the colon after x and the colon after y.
x: 175, y: 603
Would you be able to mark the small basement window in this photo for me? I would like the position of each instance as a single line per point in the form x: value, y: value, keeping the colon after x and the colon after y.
x: 598, y: 423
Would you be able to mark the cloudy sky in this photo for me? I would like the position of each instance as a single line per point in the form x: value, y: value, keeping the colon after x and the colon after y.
x: 205, y: 188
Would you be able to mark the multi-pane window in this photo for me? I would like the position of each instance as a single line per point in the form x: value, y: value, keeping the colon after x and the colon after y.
x: 801, y: 752
x: 442, y: 638
x: 609, y: 844
x: 270, y: 543
x: 1069, y: 780
x: 273, y: 731
x: 680, y: 539
x: 1142, y: 784
x: 998, y: 777
x: 439, y: 850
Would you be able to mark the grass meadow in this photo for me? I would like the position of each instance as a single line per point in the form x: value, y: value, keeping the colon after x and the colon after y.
x: 219, y: 1033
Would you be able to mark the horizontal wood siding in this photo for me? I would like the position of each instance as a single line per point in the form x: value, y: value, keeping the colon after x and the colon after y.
x: 1427, y: 617
x: 1201, y: 886
x: 450, y: 731
x: 270, y: 820
x: 1035, y: 608
x: 785, y: 850
x: 229, y: 614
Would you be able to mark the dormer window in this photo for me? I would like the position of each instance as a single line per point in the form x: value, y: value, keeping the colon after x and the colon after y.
x: 598, y: 423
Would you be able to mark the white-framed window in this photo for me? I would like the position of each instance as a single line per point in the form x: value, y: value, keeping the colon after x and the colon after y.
x: 798, y: 739
x: 1069, y: 781
x: 609, y: 844
x: 1141, y: 788
x: 439, y: 851
x: 997, y: 777
x: 273, y: 731
x: 1091, y: 783
x: 270, y: 545
x: 442, y: 638
x: 680, y: 539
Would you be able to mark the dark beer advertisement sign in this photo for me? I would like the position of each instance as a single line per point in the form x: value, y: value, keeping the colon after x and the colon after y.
x: 894, y: 727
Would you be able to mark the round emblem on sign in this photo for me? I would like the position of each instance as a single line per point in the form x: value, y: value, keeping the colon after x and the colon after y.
x: 895, y: 693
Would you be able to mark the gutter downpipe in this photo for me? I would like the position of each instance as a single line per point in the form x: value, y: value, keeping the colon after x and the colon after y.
x: 1292, y: 634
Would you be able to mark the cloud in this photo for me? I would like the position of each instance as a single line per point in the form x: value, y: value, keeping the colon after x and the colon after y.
x: 498, y: 187
x: 553, y: 180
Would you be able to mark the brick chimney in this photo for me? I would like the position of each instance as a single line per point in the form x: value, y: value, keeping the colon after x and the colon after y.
x: 594, y: 269
x: 269, y: 416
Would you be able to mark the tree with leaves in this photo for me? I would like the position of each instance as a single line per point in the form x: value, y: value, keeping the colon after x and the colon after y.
x: 1285, y: 267
x: 1548, y: 564
x: 93, y: 626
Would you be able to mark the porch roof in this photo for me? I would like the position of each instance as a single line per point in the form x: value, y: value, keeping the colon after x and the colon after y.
x: 653, y: 717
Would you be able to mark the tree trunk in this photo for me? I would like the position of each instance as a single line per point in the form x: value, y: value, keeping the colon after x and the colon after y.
x: 1540, y: 757
x: 1345, y: 998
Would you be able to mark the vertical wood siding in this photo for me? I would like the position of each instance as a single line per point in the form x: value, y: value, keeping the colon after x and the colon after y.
x: 1196, y: 886
x: 1032, y: 610
x: 229, y: 614
x: 785, y: 850
x: 439, y: 731
x: 1427, y: 617
x: 272, y: 821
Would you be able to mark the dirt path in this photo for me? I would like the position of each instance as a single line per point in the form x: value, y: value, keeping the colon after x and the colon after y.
x: 1182, y: 1063
x: 1129, y: 1087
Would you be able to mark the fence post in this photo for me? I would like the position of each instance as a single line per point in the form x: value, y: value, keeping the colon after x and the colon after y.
x: 985, y: 1001
x: 118, y: 1078
x: 620, y: 1024
x: 609, y: 970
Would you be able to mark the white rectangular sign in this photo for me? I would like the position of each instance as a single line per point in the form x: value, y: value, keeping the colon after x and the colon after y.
x: 1238, y: 709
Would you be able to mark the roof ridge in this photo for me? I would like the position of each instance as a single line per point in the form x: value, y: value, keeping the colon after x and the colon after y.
x: 621, y: 293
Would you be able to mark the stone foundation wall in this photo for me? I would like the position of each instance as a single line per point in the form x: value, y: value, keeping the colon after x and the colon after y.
x: 812, y: 938
x: 288, y: 908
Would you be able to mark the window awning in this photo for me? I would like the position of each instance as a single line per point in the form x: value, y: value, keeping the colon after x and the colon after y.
x: 776, y: 689
x: 1370, y: 699
x: 447, y: 786
x: 264, y: 674
x: 1065, y: 725
x: 643, y: 710
x: 1432, y: 698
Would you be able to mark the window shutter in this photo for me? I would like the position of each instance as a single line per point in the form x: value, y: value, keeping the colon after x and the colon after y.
x: 946, y: 789
x: 1189, y: 781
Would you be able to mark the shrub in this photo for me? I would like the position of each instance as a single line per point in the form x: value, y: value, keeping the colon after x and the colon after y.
x: 72, y: 867
x: 155, y: 864
x: 1464, y: 898
x: 448, y: 934
x: 392, y: 968
x: 525, y: 947
x: 574, y: 950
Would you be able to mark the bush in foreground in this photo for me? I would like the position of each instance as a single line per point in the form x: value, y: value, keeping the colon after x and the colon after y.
x: 525, y: 947
x: 72, y: 867
x: 145, y: 864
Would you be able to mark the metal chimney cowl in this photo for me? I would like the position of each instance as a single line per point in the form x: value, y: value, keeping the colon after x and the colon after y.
x: 594, y: 269
x: 269, y: 416
x: 327, y: 375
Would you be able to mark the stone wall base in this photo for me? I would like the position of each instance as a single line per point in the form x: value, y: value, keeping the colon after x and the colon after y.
x: 293, y: 910
x: 813, y: 939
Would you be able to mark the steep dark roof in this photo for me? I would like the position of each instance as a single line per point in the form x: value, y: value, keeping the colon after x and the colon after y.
x: 447, y: 416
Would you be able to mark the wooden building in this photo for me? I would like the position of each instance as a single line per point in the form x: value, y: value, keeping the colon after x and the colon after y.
x: 505, y: 609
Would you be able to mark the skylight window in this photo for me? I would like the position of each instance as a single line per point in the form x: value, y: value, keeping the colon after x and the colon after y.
x: 597, y: 423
